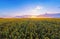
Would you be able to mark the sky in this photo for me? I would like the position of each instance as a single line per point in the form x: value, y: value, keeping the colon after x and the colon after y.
x: 28, y: 7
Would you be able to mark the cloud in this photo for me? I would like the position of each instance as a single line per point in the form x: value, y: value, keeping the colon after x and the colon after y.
x: 38, y: 7
x: 36, y: 11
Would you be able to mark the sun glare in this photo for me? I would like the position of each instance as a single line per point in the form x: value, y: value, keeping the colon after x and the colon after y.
x: 33, y: 17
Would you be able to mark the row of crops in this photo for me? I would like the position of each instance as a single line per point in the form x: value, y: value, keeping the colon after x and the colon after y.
x: 30, y: 29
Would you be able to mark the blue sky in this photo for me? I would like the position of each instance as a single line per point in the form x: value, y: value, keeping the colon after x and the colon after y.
x: 28, y: 7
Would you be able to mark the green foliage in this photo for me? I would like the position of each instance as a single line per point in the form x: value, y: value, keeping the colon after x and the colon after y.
x: 29, y: 29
